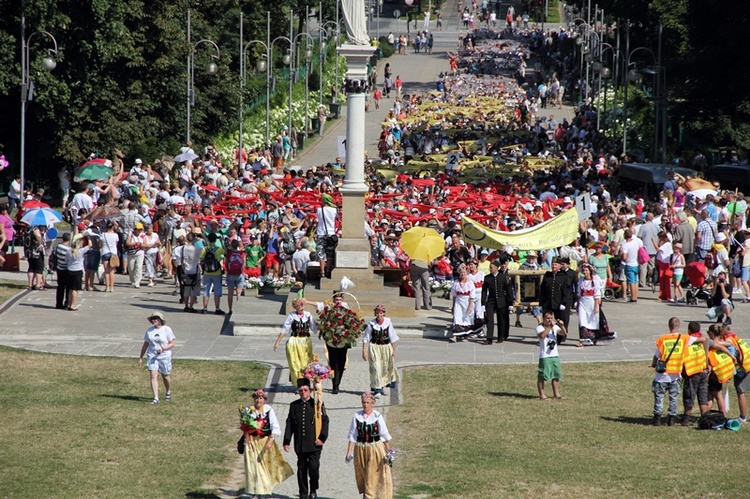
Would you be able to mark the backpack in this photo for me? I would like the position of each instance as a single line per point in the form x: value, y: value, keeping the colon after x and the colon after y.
x: 210, y: 262
x: 289, y: 245
x: 712, y: 420
x: 235, y: 262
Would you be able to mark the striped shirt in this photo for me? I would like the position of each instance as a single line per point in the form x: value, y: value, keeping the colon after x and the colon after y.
x: 61, y: 255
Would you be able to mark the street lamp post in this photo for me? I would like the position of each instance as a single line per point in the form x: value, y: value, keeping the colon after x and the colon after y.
x: 264, y: 65
x: 582, y: 40
x: 27, y: 86
x: 630, y: 75
x: 211, y: 68
x: 308, y: 56
x: 336, y: 31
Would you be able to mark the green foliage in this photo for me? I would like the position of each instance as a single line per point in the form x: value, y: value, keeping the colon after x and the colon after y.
x: 254, y: 120
x: 385, y: 49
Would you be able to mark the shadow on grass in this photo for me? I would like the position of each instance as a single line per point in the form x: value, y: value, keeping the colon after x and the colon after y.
x: 514, y: 395
x: 643, y: 421
x: 130, y: 398
x: 211, y: 495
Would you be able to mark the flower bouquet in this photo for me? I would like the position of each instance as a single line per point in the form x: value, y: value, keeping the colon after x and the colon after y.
x: 340, y: 326
x: 390, y: 456
x: 316, y: 370
x: 248, y: 423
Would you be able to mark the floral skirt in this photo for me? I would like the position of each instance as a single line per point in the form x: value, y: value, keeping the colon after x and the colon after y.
x: 373, y: 476
x: 264, y: 469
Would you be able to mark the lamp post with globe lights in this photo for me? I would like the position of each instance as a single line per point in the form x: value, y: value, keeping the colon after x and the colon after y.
x: 264, y: 65
x: 211, y: 68
x: 27, y: 86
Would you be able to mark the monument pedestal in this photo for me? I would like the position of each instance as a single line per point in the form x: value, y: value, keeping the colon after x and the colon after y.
x: 353, y: 251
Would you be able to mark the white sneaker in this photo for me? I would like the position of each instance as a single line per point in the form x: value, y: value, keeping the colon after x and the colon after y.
x: 742, y: 420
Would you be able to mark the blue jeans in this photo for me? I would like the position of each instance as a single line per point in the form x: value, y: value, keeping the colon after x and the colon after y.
x: 660, y: 389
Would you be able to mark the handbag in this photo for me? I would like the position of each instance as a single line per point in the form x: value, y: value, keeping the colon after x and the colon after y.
x: 114, y: 260
x: 643, y: 256
x: 190, y: 280
x: 661, y: 365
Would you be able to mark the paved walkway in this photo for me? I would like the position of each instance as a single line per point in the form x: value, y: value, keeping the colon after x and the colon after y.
x: 112, y: 324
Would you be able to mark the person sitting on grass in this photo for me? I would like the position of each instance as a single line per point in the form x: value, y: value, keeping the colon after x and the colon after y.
x: 549, y: 359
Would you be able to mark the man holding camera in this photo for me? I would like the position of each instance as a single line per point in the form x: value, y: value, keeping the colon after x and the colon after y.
x: 549, y: 359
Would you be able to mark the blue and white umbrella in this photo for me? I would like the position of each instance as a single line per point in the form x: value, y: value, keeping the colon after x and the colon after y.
x: 41, y: 216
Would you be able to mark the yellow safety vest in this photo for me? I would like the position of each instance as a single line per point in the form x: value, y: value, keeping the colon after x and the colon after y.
x: 742, y: 346
x: 695, y: 359
x: 722, y: 364
x: 665, y: 344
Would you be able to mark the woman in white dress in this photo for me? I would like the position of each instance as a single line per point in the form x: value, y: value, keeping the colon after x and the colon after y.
x: 590, y: 288
x: 476, y: 276
x: 378, y: 346
x: 463, y: 293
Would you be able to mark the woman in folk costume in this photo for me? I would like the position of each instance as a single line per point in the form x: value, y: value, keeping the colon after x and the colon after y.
x: 265, y: 467
x: 463, y: 293
x: 590, y: 288
x: 299, y: 324
x: 476, y: 276
x: 378, y: 346
x: 369, y: 443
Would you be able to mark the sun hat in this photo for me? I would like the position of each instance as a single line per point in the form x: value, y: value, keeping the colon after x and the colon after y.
x: 157, y: 315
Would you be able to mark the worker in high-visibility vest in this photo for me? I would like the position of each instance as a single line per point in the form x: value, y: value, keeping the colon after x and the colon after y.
x: 696, y: 373
x: 722, y: 365
x: 741, y: 379
x: 670, y: 353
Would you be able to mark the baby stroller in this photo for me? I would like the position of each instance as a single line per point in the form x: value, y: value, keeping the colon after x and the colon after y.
x: 612, y: 290
x: 696, y: 274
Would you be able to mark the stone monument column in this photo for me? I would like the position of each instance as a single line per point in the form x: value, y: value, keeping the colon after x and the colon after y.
x: 353, y: 251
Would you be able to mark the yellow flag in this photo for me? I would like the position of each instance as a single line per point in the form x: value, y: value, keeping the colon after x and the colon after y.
x: 558, y: 231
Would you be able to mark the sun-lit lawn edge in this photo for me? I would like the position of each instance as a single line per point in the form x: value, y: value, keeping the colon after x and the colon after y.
x: 77, y: 426
x: 480, y: 431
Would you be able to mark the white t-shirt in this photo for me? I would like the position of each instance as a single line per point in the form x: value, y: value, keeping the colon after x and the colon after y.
x: 544, y: 350
x: 158, y: 338
x: 109, y: 243
x: 630, y: 251
x: 326, y: 216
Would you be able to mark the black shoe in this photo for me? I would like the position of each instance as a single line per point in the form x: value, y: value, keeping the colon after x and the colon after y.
x: 518, y: 324
x: 670, y: 420
x: 728, y: 322
x: 685, y: 421
x: 335, y: 391
x: 500, y: 340
x: 657, y: 420
x: 488, y: 342
x: 219, y: 312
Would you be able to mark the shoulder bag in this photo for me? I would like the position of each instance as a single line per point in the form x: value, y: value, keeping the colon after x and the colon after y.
x: 661, y: 365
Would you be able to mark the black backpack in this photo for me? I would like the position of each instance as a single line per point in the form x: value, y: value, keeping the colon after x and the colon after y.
x: 712, y: 420
x: 210, y: 262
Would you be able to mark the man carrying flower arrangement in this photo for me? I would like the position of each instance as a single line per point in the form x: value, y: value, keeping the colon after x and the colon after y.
x: 340, y: 327
x: 308, y: 439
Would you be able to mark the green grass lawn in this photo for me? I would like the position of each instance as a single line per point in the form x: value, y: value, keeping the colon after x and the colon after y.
x: 83, y: 427
x: 479, y: 432
x: 10, y: 288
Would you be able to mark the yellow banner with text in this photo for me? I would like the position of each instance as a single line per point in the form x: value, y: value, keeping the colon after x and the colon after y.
x: 558, y: 231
